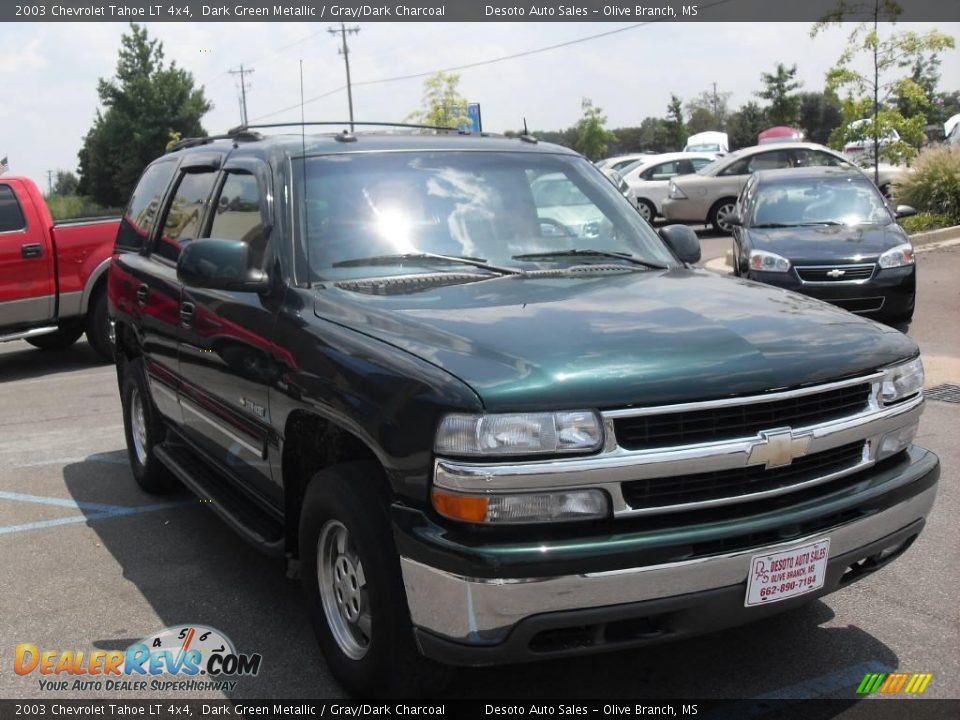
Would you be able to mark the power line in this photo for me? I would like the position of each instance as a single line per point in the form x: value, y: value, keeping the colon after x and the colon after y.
x: 344, y: 50
x: 480, y: 63
x: 243, y: 90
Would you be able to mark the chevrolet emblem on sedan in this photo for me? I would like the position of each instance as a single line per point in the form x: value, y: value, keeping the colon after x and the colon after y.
x: 779, y: 447
x: 836, y: 273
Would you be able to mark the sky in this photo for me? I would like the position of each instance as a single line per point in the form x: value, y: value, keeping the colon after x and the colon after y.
x: 49, y: 72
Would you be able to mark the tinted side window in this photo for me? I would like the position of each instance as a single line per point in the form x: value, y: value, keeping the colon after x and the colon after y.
x: 237, y: 214
x: 185, y: 213
x: 663, y: 171
x: 737, y: 168
x: 11, y: 216
x: 140, y: 217
x: 770, y: 161
x: 699, y: 163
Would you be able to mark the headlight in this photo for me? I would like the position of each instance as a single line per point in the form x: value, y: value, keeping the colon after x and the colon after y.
x: 897, y: 257
x: 519, y: 434
x: 768, y: 261
x: 901, y: 381
x: 522, y: 508
x: 675, y: 192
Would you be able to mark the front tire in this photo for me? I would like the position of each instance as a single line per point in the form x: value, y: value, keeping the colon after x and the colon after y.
x: 646, y: 209
x: 351, y: 578
x: 144, y: 430
x: 719, y: 213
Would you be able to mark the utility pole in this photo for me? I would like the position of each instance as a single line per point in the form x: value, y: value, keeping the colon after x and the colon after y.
x: 49, y: 183
x: 344, y: 50
x: 242, y: 72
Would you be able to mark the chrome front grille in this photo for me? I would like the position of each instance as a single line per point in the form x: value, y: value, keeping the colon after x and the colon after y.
x: 755, y: 480
x: 710, y: 424
x: 835, y: 273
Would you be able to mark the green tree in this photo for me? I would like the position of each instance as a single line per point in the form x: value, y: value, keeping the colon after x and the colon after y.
x: 925, y: 73
x: 820, y: 115
x: 708, y: 111
x: 745, y: 124
x: 146, y: 101
x: 592, y: 136
x: 64, y: 183
x: 674, y: 127
x: 869, y: 92
x: 442, y: 105
x: 779, y: 90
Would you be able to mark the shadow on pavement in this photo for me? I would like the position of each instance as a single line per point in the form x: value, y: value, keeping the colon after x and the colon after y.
x: 191, y: 568
x: 31, y: 362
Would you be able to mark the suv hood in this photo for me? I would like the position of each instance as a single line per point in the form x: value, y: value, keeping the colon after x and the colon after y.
x: 609, y: 341
x: 821, y: 244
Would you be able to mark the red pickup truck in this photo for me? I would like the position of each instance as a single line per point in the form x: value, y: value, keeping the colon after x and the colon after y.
x: 53, y: 276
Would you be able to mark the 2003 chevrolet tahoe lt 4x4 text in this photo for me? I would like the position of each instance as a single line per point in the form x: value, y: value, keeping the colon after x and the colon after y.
x: 493, y: 414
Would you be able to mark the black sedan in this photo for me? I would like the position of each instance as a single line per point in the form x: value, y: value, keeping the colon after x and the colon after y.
x: 828, y: 233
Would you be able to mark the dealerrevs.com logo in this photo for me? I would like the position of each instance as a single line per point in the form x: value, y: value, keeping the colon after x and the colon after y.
x: 185, y: 658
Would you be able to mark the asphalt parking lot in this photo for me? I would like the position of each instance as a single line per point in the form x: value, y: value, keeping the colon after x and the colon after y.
x: 91, y: 562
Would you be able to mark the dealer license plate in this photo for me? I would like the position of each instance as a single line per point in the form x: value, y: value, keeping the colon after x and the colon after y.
x: 788, y: 573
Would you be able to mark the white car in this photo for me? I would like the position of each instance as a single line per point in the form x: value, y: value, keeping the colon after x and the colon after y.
x: 861, y: 151
x: 649, y: 178
x: 619, y: 162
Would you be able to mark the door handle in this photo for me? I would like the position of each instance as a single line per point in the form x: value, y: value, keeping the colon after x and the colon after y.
x: 31, y: 250
x: 142, y: 292
x: 187, y: 311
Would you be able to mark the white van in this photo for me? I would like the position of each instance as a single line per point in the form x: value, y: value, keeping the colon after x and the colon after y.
x: 710, y: 141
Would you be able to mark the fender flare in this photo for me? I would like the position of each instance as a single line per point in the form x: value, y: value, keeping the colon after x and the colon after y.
x: 91, y: 283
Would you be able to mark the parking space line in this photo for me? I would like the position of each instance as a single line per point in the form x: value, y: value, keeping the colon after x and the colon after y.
x: 101, y: 515
x: 60, y: 502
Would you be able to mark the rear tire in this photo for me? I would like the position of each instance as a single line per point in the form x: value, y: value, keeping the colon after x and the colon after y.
x: 351, y: 578
x: 98, y: 325
x: 60, y: 339
x: 144, y: 430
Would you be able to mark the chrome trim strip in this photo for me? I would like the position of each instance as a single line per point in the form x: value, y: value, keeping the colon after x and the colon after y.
x: 468, y: 609
x: 747, y: 400
x: 32, y: 332
x: 188, y: 405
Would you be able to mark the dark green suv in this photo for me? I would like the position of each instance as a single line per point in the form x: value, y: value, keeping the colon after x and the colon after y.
x: 492, y: 414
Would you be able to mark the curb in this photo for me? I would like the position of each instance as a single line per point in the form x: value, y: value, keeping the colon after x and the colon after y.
x: 932, y: 240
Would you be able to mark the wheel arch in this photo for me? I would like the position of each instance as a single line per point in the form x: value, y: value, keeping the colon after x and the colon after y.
x: 96, y: 281
x: 311, y: 443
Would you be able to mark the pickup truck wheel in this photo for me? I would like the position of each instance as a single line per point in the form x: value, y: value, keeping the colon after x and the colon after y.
x: 351, y: 578
x: 98, y: 326
x: 144, y: 430
x: 60, y: 339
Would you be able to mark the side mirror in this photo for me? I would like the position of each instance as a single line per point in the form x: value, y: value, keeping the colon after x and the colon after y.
x: 734, y: 219
x: 903, y: 211
x: 683, y: 241
x: 220, y: 265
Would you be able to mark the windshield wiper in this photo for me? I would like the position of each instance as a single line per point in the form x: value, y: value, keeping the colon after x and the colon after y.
x: 800, y: 224
x: 400, y: 257
x: 773, y: 225
x: 590, y: 253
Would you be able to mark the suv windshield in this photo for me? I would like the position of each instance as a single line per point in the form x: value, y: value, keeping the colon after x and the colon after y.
x: 385, y: 213
x: 820, y: 201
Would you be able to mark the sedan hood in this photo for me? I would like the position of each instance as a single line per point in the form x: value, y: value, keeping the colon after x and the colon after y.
x: 827, y: 244
x: 628, y: 339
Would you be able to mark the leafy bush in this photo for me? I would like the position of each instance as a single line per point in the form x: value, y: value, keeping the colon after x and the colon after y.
x: 921, y: 222
x: 934, y: 185
x: 65, y: 207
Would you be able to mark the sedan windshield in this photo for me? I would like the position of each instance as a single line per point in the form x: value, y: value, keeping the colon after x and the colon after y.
x: 819, y: 201
x: 393, y: 213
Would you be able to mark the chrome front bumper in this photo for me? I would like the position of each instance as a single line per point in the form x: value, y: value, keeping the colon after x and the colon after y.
x: 475, y: 611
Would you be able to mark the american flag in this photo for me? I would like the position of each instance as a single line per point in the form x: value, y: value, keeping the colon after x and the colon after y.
x: 4, y: 165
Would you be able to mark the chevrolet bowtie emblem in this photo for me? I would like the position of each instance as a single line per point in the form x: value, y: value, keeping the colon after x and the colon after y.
x: 835, y: 273
x: 779, y: 447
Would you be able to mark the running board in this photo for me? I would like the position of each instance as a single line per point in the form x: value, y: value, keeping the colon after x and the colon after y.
x: 257, y: 527
x: 32, y: 332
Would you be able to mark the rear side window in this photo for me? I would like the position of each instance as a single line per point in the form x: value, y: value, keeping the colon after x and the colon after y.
x: 236, y: 215
x: 11, y: 216
x: 184, y: 213
x: 140, y: 217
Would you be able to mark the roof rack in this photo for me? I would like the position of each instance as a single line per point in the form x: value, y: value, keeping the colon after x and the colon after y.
x: 349, y: 123
x: 235, y: 134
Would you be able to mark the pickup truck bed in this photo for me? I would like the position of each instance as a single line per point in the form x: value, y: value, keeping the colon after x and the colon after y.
x: 52, y: 274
